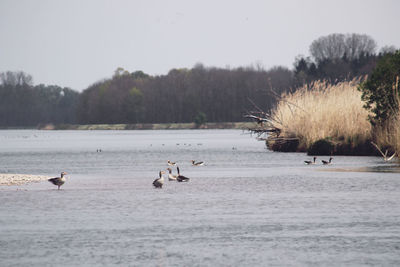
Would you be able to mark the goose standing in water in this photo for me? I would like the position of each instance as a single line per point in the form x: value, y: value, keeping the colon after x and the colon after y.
x: 327, y: 162
x: 171, y: 163
x: 171, y: 177
x: 58, y: 181
x: 158, y: 183
x: 308, y: 162
x: 199, y: 163
x: 181, y: 178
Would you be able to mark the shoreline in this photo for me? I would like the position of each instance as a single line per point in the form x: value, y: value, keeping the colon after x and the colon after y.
x: 9, y: 179
x: 148, y: 126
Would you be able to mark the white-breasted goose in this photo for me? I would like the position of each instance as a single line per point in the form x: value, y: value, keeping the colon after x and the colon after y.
x: 171, y: 177
x: 181, y: 178
x: 58, y: 181
x: 170, y: 163
x: 308, y: 162
x: 199, y: 163
x: 158, y: 183
x: 327, y: 162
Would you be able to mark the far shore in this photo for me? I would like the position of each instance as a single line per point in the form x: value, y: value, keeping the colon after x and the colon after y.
x: 20, y: 179
x: 149, y: 126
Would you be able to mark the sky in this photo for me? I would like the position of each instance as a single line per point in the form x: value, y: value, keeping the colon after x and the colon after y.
x: 75, y: 43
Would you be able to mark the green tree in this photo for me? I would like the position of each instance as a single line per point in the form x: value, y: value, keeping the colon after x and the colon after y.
x: 200, y: 119
x: 133, y: 106
x: 380, y: 91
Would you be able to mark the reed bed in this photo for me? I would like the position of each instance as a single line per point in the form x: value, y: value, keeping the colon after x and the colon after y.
x: 323, y: 111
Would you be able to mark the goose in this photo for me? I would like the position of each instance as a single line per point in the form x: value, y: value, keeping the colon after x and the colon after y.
x: 199, y: 163
x: 327, y: 162
x: 384, y: 155
x: 171, y: 177
x: 181, y: 178
x: 170, y: 163
x: 308, y: 162
x: 158, y: 183
x: 58, y: 181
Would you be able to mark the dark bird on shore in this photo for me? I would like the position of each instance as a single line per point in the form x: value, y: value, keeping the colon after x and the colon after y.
x: 327, y: 162
x: 259, y: 120
x: 384, y: 155
x: 199, y: 163
x: 158, y: 183
x: 170, y: 163
x: 308, y: 162
x: 181, y: 178
x: 171, y: 177
x: 58, y: 181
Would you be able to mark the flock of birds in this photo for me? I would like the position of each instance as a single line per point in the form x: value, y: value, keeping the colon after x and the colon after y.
x: 324, y: 162
x: 159, y: 182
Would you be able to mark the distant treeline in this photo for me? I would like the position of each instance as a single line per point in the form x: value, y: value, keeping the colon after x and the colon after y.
x: 223, y: 95
x: 184, y: 95
x: 22, y: 104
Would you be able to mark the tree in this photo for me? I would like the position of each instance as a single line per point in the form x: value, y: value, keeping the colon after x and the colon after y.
x: 15, y: 78
x: 200, y: 119
x: 388, y: 49
x: 336, y: 45
x: 381, y: 90
x: 133, y: 105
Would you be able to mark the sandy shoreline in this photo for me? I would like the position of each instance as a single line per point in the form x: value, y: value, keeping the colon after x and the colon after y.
x: 20, y: 179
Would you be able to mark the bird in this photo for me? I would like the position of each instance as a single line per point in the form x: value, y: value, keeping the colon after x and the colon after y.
x: 170, y: 163
x: 384, y: 155
x: 259, y: 120
x: 158, y: 183
x: 327, y: 162
x: 308, y: 162
x: 199, y: 163
x: 181, y: 178
x: 171, y: 177
x: 58, y: 181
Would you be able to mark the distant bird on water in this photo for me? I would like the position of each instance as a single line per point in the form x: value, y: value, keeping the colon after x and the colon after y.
x: 308, y: 162
x: 181, y: 178
x: 327, y: 162
x: 171, y: 177
x: 58, y: 181
x: 199, y: 163
x: 158, y: 183
x: 170, y: 163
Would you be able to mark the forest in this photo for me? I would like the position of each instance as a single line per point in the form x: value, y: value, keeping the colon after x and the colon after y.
x: 184, y: 95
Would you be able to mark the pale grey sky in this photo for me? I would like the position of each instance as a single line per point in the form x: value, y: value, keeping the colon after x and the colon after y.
x: 75, y: 43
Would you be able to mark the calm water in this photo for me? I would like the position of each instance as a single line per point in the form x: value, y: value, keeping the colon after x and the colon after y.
x: 246, y: 207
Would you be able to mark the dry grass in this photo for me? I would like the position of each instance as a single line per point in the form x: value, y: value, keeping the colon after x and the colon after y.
x: 323, y: 111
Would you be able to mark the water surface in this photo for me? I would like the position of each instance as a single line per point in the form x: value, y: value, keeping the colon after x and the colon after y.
x: 246, y: 206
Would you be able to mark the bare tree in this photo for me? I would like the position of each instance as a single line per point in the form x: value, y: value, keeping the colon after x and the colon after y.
x: 388, y: 49
x: 15, y: 78
x: 337, y: 45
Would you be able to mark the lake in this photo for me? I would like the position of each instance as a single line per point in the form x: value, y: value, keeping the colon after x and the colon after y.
x: 246, y: 206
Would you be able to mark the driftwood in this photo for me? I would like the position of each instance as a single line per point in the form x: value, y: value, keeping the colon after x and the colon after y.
x: 268, y: 128
x: 384, y: 155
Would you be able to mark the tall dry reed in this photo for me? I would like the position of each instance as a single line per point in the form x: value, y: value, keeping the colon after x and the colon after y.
x: 323, y: 111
